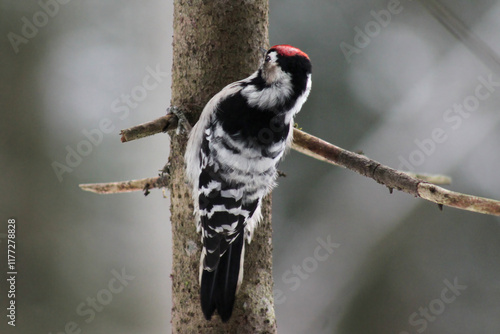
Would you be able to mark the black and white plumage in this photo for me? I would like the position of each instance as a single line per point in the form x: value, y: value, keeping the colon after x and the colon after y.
x: 231, y: 161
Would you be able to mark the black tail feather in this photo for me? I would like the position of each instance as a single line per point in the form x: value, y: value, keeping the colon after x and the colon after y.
x: 218, y: 287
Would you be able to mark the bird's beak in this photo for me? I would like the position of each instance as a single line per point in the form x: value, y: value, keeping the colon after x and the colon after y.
x: 263, y: 51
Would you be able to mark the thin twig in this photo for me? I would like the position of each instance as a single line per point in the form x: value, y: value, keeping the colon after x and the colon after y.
x: 127, y: 186
x: 453, y: 199
x: 162, y: 124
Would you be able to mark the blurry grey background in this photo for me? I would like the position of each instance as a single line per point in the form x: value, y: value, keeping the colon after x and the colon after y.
x: 393, y: 257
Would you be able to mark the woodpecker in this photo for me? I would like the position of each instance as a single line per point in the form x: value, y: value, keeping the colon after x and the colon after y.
x: 231, y: 163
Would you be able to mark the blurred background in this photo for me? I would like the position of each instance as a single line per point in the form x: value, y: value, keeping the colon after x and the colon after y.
x: 388, y: 79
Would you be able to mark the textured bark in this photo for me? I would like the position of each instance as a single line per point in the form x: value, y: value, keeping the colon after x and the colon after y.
x: 215, y: 43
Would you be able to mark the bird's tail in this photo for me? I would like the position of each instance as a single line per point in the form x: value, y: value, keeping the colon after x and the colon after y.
x: 218, y: 287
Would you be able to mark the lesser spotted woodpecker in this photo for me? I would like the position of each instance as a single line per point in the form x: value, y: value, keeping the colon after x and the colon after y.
x: 231, y: 160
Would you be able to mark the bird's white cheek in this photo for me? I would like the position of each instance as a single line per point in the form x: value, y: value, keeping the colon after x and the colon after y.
x: 270, y: 73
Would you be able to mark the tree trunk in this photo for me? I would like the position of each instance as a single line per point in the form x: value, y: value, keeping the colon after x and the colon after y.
x: 215, y: 43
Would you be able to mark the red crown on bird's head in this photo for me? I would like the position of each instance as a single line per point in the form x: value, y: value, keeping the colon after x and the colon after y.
x: 288, y: 50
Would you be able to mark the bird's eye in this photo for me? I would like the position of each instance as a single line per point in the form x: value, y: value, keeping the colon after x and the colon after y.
x: 268, y: 58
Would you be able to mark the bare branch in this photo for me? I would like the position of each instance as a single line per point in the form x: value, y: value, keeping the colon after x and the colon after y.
x: 162, y: 124
x: 390, y: 177
x: 127, y: 186
x: 458, y: 200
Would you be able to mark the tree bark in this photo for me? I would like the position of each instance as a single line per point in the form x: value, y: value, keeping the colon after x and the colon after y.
x: 215, y: 43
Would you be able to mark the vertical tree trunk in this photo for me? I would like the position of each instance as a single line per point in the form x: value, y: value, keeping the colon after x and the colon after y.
x: 215, y: 43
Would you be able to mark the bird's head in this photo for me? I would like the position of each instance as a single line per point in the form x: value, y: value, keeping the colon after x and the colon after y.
x: 284, y: 61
